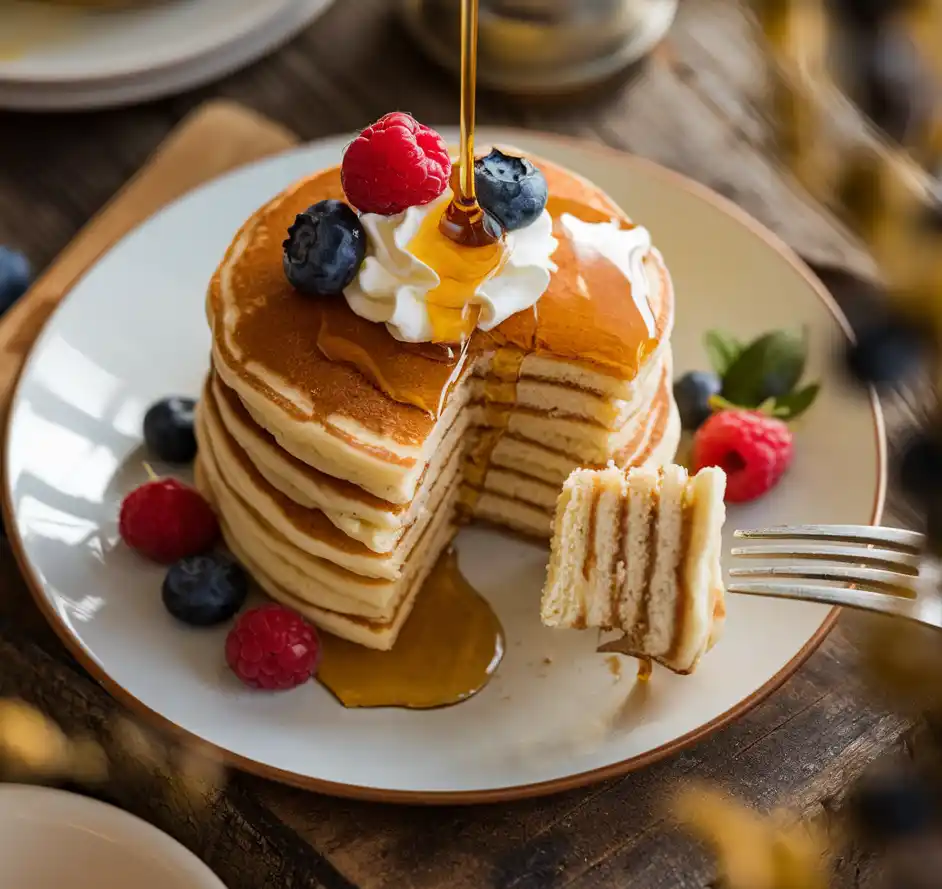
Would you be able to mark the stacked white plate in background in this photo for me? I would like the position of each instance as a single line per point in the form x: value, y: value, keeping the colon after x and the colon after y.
x: 60, y: 58
x: 50, y: 839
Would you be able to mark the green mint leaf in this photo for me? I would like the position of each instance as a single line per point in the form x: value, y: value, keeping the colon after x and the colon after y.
x: 770, y: 367
x: 792, y: 406
x: 722, y: 350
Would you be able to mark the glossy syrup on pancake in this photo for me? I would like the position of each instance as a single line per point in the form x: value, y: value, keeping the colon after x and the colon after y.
x: 462, y: 269
x: 448, y: 650
x: 345, y: 365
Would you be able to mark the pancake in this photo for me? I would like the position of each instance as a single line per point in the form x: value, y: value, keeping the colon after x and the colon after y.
x: 372, y: 632
x: 309, y: 530
x: 515, y: 500
x: 297, y: 488
x: 339, y: 457
x: 639, y: 551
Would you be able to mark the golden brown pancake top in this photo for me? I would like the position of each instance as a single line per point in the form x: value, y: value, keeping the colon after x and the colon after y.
x: 587, y: 316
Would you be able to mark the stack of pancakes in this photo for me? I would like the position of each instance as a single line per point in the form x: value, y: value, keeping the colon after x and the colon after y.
x: 338, y: 457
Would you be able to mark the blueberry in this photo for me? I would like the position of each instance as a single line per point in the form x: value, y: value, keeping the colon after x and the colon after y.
x: 324, y: 249
x: 868, y: 14
x: 887, y: 351
x: 920, y: 467
x: 892, y: 805
x: 15, y: 277
x: 511, y: 189
x: 168, y: 430
x: 893, y: 87
x: 205, y: 590
x: 693, y: 392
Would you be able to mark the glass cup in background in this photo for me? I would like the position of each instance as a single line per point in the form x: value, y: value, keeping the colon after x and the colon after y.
x: 544, y: 46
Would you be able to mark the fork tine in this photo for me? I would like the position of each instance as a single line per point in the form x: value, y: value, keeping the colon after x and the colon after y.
x: 868, y: 534
x: 829, y: 595
x: 901, y: 583
x: 908, y: 562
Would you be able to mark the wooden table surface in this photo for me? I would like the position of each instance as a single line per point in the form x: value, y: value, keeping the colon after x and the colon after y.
x: 694, y: 107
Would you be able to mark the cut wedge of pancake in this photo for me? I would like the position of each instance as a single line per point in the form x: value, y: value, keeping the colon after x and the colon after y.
x: 639, y: 551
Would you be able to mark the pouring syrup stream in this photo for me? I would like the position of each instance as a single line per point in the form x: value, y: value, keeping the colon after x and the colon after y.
x: 464, y: 221
x: 452, y: 643
x: 465, y: 245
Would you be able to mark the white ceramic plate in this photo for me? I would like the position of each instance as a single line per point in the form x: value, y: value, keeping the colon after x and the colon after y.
x: 107, y: 59
x: 50, y: 839
x: 555, y: 716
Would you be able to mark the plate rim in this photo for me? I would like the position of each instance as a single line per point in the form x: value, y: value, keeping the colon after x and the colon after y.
x: 515, y: 792
x: 100, y: 808
x: 35, y: 97
x: 111, y: 77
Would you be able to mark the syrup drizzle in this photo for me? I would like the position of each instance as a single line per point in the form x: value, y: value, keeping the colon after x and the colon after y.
x: 420, y: 374
x: 464, y: 221
x: 500, y: 397
x: 464, y: 245
x: 452, y: 643
x: 461, y: 269
x: 448, y: 650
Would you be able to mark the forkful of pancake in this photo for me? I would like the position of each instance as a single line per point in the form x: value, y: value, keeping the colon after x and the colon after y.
x: 882, y: 179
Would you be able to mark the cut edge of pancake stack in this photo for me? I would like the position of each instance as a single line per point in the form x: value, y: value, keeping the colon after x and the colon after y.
x: 343, y: 525
x: 559, y: 425
x: 639, y: 551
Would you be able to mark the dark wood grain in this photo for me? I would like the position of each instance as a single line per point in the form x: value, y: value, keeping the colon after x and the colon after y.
x: 694, y: 107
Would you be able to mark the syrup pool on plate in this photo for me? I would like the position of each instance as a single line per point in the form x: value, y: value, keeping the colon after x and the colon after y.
x: 448, y: 650
x: 464, y: 245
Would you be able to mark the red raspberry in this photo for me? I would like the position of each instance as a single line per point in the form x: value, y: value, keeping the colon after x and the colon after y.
x: 395, y: 164
x: 166, y: 521
x: 273, y: 649
x: 753, y: 449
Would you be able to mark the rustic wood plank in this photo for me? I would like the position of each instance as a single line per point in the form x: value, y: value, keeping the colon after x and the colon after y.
x: 797, y: 749
x: 60, y: 170
x: 181, y: 164
x: 235, y: 835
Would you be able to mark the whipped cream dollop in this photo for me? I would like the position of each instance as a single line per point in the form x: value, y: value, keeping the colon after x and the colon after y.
x: 392, y: 286
x: 625, y: 248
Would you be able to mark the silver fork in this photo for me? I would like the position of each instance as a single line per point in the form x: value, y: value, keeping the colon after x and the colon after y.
x: 878, y: 569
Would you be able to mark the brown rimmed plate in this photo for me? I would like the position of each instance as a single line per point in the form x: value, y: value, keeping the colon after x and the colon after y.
x: 556, y: 716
